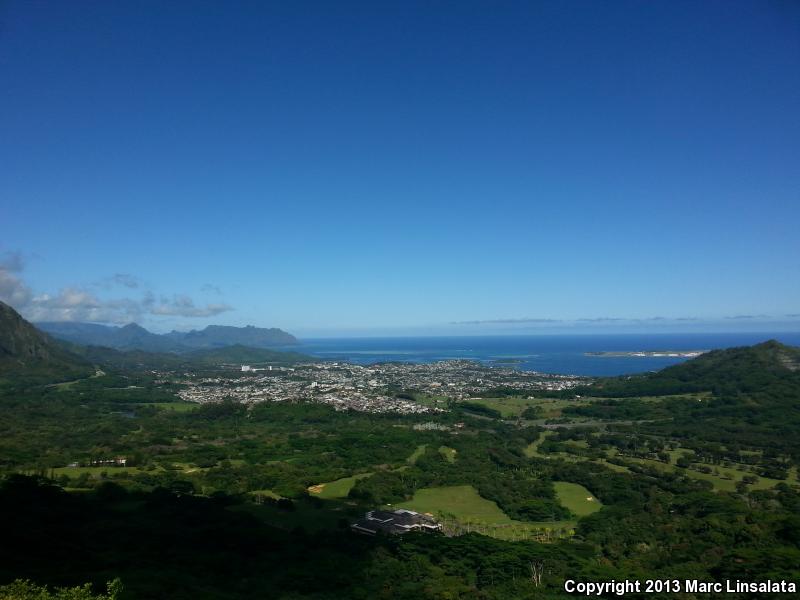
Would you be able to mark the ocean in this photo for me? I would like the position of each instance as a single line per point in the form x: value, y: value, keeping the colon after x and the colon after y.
x: 563, y: 354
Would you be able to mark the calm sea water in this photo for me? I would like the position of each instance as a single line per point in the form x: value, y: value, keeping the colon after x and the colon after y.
x: 564, y: 354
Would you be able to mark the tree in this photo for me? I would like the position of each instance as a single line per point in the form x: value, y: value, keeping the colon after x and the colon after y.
x: 22, y: 589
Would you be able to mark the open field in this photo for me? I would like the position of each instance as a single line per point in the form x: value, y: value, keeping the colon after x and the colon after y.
x: 95, y: 471
x: 65, y: 385
x: 336, y: 489
x: 267, y: 493
x: 461, y: 506
x: 532, y: 449
x: 431, y: 400
x: 419, y: 451
x: 725, y: 481
x: 112, y: 471
x: 461, y: 501
x: 513, y: 406
x: 176, y: 406
x: 448, y: 453
x: 577, y: 498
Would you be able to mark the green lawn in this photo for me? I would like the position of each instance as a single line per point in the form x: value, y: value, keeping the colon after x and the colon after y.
x: 461, y: 501
x: 111, y: 471
x: 267, y: 493
x: 336, y: 489
x: 532, y: 450
x: 576, y: 498
x: 95, y: 471
x: 513, y: 406
x: 448, y: 453
x: 725, y: 481
x: 674, y: 455
x: 431, y: 400
x: 420, y: 450
x: 463, y: 505
x: 176, y: 406
x: 66, y: 384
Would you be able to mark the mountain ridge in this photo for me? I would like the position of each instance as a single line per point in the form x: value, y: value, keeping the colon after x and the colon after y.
x: 32, y: 356
x: 135, y: 337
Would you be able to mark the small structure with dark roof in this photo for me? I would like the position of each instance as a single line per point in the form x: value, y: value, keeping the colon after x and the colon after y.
x: 396, y: 522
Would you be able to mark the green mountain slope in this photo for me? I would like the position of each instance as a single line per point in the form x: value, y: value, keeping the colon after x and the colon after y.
x: 29, y: 357
x: 738, y: 397
x: 744, y: 369
x: 136, y: 337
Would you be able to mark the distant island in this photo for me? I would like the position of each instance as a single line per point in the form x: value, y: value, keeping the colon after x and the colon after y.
x: 650, y: 353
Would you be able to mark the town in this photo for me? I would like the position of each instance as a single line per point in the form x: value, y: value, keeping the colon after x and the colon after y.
x: 383, y: 387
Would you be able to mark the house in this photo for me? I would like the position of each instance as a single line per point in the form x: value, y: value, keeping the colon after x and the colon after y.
x: 396, y: 522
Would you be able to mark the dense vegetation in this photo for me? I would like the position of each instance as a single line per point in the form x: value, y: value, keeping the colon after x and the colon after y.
x: 696, y: 479
x: 753, y: 401
x: 110, y: 358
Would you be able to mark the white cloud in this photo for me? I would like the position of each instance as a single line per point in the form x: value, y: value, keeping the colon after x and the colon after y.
x: 79, y: 304
x: 73, y: 304
x: 13, y: 290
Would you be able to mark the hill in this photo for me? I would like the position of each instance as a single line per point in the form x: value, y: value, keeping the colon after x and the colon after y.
x: 733, y: 370
x: 135, y: 337
x: 28, y: 356
x: 748, y: 397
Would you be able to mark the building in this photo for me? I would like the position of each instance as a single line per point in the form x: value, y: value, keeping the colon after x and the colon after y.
x: 396, y: 522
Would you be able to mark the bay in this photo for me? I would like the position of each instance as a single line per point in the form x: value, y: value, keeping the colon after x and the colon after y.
x: 563, y: 354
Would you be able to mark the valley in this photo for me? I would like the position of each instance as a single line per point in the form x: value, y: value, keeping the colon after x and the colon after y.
x: 584, y: 473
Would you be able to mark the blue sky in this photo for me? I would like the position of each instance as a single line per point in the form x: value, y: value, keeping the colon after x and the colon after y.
x: 362, y: 167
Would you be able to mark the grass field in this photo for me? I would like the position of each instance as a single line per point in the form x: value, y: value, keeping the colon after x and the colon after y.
x: 576, y: 498
x: 112, y: 471
x: 66, y: 384
x: 176, y: 406
x: 725, y: 481
x: 419, y: 451
x: 95, y: 471
x: 267, y: 493
x: 532, y: 449
x: 336, y: 489
x: 431, y: 400
x: 463, y: 505
x: 513, y: 406
x: 448, y: 453
x: 461, y: 501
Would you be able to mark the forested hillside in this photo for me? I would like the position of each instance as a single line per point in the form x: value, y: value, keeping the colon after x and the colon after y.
x: 29, y: 357
x: 237, y: 500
